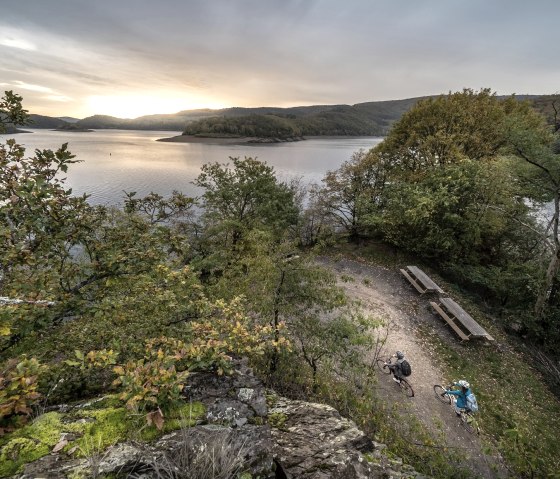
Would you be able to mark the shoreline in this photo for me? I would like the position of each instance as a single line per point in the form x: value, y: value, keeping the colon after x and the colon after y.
x: 243, y: 140
x: 250, y: 140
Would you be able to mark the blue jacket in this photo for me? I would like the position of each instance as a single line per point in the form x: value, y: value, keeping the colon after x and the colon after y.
x: 461, y: 396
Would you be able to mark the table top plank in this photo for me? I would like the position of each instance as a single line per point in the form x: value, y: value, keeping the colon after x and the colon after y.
x: 423, y: 278
x: 463, y: 317
x: 449, y: 321
x: 413, y: 282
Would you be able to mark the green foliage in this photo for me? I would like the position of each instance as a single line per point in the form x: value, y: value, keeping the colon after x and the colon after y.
x: 151, y: 386
x: 261, y: 126
x: 237, y: 200
x: 93, y: 359
x: 353, y: 193
x: 158, y: 209
x: 154, y: 384
x: 447, y: 129
x: 357, y: 120
x: 11, y: 111
x: 277, y: 420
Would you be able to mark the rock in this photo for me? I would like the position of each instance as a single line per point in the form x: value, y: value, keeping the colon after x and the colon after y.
x: 306, y: 440
x: 229, y: 400
x: 315, y: 442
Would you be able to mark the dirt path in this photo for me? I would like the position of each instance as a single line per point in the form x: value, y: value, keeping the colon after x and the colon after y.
x: 384, y: 293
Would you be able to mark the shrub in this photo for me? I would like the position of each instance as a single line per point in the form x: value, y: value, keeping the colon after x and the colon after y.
x: 18, y: 391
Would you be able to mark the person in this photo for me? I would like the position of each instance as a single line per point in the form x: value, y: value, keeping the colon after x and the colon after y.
x: 461, y: 393
x: 395, y: 368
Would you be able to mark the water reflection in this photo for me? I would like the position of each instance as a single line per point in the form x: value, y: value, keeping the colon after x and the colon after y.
x: 113, y: 161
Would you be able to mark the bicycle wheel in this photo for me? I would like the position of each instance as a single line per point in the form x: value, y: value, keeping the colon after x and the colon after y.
x: 469, y: 422
x: 439, y: 391
x: 383, y: 366
x: 407, y: 388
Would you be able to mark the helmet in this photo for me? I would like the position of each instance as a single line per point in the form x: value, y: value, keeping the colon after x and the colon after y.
x: 400, y: 355
x: 464, y: 384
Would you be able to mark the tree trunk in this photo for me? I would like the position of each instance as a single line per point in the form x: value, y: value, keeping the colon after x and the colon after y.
x: 553, y: 265
x: 276, y: 324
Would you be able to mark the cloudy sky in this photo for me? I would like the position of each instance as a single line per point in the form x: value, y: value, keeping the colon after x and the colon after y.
x: 133, y: 57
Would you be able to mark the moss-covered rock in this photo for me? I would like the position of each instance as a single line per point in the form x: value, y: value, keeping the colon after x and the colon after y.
x: 88, y: 430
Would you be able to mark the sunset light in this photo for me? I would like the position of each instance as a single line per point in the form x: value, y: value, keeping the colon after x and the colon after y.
x: 133, y: 106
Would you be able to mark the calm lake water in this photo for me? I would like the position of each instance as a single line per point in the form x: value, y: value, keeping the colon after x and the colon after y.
x: 114, y: 161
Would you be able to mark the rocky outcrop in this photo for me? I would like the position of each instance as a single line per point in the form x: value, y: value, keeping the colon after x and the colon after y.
x: 240, y: 437
x: 313, y: 441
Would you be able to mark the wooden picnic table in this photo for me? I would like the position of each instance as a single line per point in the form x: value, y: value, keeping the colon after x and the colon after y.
x: 420, y: 280
x: 459, y: 320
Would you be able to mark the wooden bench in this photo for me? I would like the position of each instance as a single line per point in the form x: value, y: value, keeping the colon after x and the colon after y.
x: 460, y: 321
x: 420, y: 280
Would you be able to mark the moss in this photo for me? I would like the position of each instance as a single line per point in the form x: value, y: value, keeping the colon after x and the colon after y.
x: 46, y: 429
x: 20, y: 451
x: 186, y: 415
x: 96, y: 428
x: 30, y: 443
x: 271, y: 398
x: 277, y: 420
x: 110, y: 426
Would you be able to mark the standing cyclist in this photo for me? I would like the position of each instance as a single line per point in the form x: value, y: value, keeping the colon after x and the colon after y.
x: 462, y: 393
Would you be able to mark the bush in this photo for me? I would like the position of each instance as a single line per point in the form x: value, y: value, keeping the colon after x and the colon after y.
x: 18, y: 391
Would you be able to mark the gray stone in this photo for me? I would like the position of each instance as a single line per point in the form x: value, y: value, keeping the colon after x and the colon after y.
x: 315, y: 442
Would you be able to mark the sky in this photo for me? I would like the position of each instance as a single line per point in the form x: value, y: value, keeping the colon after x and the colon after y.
x: 128, y: 58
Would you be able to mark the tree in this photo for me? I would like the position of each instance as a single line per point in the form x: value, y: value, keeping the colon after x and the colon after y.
x: 534, y: 143
x: 12, y: 111
x: 447, y: 129
x: 236, y: 201
x: 441, y: 159
x: 353, y: 192
x: 288, y: 290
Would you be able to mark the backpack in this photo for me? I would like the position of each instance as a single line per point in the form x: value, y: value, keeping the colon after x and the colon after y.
x: 406, y: 370
x: 471, y: 403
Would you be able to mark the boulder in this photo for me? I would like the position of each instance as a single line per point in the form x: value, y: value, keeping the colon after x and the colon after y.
x: 314, y: 441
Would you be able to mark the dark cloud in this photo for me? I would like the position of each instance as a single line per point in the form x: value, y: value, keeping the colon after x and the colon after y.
x: 277, y: 52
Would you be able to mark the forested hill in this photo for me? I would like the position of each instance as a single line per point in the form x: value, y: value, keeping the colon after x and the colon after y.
x: 369, y: 118
x: 372, y: 118
x: 362, y: 119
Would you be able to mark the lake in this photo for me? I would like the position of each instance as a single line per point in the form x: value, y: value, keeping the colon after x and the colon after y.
x: 113, y: 161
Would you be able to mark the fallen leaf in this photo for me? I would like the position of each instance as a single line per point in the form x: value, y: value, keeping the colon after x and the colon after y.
x: 61, y: 444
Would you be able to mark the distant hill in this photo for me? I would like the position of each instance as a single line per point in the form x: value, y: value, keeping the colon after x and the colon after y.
x: 373, y: 118
x: 169, y: 122
x: 41, y: 121
x: 362, y: 119
x: 69, y: 119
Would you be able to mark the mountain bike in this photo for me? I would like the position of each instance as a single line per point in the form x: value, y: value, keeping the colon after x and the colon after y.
x: 468, y: 421
x: 405, y: 386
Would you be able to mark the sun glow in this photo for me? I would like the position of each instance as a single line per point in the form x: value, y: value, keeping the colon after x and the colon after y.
x: 133, y: 106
